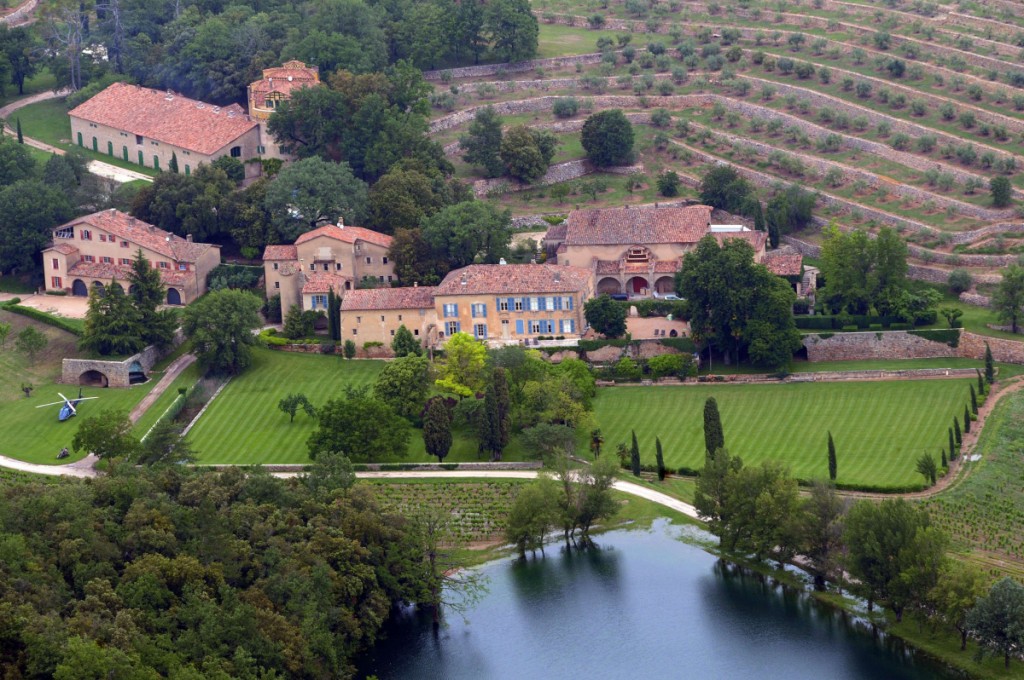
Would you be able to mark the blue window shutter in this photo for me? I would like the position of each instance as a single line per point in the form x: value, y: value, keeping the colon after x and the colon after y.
x: 497, y: 304
x: 551, y: 325
x: 542, y: 303
x: 511, y: 304
x: 558, y: 302
x: 526, y: 303
x: 458, y: 327
x: 519, y: 326
x: 572, y: 325
x: 484, y: 336
x: 561, y: 325
x: 455, y: 310
x: 569, y: 300
x: 483, y: 308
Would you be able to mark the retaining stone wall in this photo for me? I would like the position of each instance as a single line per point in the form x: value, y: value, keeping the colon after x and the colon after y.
x: 875, y: 345
x: 117, y: 372
x: 563, y: 172
x: 517, y: 67
x: 976, y: 299
x: 973, y: 346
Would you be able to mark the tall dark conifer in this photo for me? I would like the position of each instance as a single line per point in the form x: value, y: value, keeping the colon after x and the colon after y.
x: 634, y: 456
x: 967, y: 420
x: 714, y: 437
x: 974, y: 401
x: 952, y: 445
x: 832, y: 463
x: 956, y: 431
x: 660, y: 459
x: 990, y: 367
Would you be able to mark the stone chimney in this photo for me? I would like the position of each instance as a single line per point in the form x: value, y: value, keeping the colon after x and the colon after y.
x: 188, y: 237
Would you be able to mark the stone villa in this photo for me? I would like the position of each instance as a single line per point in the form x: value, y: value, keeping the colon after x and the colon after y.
x: 276, y: 86
x: 93, y: 250
x: 331, y: 256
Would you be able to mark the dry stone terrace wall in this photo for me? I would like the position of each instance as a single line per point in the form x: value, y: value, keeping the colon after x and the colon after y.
x: 117, y: 373
x: 975, y: 299
x: 563, y: 172
x: 875, y: 345
x: 973, y: 346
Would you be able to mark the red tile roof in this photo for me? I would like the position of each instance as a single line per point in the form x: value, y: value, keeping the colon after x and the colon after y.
x: 608, y: 266
x: 500, y: 279
x: 415, y: 297
x: 637, y: 225
x: 322, y: 282
x: 757, y: 239
x: 101, y: 270
x: 667, y: 266
x: 64, y: 248
x: 784, y: 264
x: 139, y: 233
x: 168, y: 118
x: 346, y: 234
x: 281, y: 253
x: 290, y: 76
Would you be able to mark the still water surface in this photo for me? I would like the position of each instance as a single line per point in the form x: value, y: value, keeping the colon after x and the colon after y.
x: 644, y: 604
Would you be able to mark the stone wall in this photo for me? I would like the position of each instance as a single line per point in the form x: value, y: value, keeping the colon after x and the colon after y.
x: 975, y: 299
x: 116, y: 372
x: 972, y: 346
x: 562, y: 172
x: 875, y: 345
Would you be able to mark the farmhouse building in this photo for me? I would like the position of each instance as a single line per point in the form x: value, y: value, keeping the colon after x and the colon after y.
x: 269, y: 92
x: 333, y: 256
x: 93, y: 250
x: 637, y: 250
x: 375, y: 314
x: 150, y: 127
x: 507, y: 303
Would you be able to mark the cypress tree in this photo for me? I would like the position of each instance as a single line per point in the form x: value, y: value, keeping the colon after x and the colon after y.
x: 634, y: 456
x: 21, y: 138
x: 437, y: 428
x: 981, y: 383
x: 173, y: 165
x: 956, y: 431
x: 714, y: 437
x: 758, y: 215
x: 990, y: 367
x: 952, y: 448
x: 660, y: 459
x: 974, y: 401
x: 967, y: 420
x: 832, y: 464
x: 944, y: 462
x: 332, y: 316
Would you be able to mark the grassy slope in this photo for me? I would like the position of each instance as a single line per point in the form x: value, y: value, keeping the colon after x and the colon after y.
x: 880, y: 428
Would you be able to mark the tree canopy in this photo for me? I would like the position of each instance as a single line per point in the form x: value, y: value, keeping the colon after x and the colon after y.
x: 607, y: 137
x: 220, y: 325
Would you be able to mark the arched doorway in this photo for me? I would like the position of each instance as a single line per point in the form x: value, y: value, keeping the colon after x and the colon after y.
x: 665, y: 284
x: 98, y: 286
x: 173, y: 296
x: 136, y: 374
x: 93, y: 379
x: 637, y: 285
x: 609, y: 285
x: 79, y: 288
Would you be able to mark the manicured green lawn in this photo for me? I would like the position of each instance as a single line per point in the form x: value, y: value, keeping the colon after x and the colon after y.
x: 244, y: 426
x: 880, y: 428
x: 556, y: 40
x: 186, y: 379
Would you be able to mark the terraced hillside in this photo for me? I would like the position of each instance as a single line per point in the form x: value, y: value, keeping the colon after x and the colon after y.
x: 898, y: 114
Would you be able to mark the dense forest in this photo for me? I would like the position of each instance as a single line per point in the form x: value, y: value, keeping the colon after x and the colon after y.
x: 212, y: 49
x: 176, y: 573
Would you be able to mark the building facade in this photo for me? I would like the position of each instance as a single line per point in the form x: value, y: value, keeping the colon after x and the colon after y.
x: 269, y: 92
x: 93, y: 250
x: 150, y: 128
x: 375, y: 315
x: 332, y: 256
x: 513, y: 303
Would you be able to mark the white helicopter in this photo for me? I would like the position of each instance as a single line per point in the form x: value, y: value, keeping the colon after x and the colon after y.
x: 67, y: 409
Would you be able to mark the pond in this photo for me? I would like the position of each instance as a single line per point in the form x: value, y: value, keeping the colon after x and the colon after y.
x: 642, y: 604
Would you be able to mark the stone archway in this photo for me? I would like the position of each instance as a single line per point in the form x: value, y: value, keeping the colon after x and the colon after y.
x: 173, y: 296
x: 638, y: 285
x: 136, y: 374
x: 79, y: 288
x: 665, y: 284
x: 94, y: 379
x: 609, y: 285
x: 98, y: 286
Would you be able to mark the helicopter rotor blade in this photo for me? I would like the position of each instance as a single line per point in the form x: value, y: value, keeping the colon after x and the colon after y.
x: 51, y: 404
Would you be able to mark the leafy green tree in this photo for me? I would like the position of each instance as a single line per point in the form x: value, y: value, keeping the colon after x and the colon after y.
x: 714, y: 435
x: 1008, y: 300
x: 30, y: 342
x: 349, y: 349
x: 532, y: 515
x: 607, y: 137
x: 293, y: 402
x: 605, y: 316
x: 668, y: 184
x: 482, y: 144
x: 29, y: 210
x: 927, y: 468
x: 711, y: 497
x: 146, y: 291
x: 112, y: 323
x: 437, y: 428
x: 548, y: 441
x: 361, y: 427
x: 822, y: 516
x: 468, y: 232
x: 1002, y: 192
x: 527, y: 153
x: 512, y: 28
x: 403, y: 384
x: 164, y: 445
x: 188, y: 204
x: 959, y: 588
x: 832, y: 464
x: 5, y: 331
x: 311, y: 192
x: 297, y: 324
x: 990, y: 366
x: 960, y: 280
x: 586, y: 495
x: 659, y: 459
x: 108, y: 434
x: 19, y: 46
x: 996, y: 619
x: 404, y: 344
x: 329, y: 473
x: 220, y: 325
x: 15, y: 162
x: 405, y: 196
x: 463, y: 371
x: 722, y: 187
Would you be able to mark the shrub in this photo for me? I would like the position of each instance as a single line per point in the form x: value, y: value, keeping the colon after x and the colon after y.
x: 960, y: 280
x: 56, y: 321
x: 565, y: 107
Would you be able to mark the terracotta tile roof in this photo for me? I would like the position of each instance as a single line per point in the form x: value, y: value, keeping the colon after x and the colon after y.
x: 608, y: 266
x: 101, y: 270
x: 667, y: 266
x: 499, y: 279
x: 414, y: 297
x: 168, y: 118
x: 139, y: 233
x: 784, y: 264
x: 64, y: 248
x: 290, y: 76
x: 638, y: 225
x: 556, y: 232
x: 346, y: 234
x: 322, y: 282
x: 757, y: 239
x: 280, y: 253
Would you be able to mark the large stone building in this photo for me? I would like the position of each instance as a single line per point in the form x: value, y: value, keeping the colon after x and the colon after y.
x: 268, y: 93
x: 332, y: 256
x: 93, y: 250
x: 375, y: 314
x: 150, y: 127
x: 637, y: 250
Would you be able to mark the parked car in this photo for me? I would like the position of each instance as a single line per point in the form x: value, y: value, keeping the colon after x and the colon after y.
x: 670, y: 296
x: 619, y: 296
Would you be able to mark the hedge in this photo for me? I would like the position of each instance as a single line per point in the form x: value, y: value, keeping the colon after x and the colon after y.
x: 655, y: 307
x: 841, y: 486
x: 71, y: 326
x: 681, y: 344
x: 824, y: 322
x: 949, y: 336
